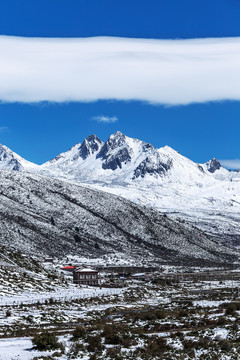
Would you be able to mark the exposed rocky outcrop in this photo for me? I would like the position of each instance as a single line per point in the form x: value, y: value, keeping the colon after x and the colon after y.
x: 89, y: 146
x: 115, y: 152
x: 213, y: 165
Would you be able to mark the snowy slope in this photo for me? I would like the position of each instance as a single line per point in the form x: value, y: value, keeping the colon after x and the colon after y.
x: 44, y: 216
x: 12, y: 161
x: 207, y: 194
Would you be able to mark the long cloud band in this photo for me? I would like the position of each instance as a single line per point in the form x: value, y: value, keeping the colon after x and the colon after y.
x: 171, y: 72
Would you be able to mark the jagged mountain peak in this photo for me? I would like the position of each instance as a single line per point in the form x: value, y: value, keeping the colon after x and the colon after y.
x: 115, y: 140
x: 90, y: 145
x: 213, y: 165
x: 9, y: 160
x: 92, y: 138
x: 170, y: 152
x: 117, y: 134
x: 5, y: 150
x: 115, y: 152
x: 121, y: 159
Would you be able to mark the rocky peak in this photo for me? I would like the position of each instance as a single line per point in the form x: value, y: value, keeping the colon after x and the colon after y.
x: 146, y: 147
x: 115, y: 152
x: 8, y: 160
x: 213, y: 165
x: 89, y: 146
x: 115, y: 140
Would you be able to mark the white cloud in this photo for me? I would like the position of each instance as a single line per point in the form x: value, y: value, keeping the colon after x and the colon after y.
x: 105, y: 119
x: 168, y: 72
x: 231, y: 164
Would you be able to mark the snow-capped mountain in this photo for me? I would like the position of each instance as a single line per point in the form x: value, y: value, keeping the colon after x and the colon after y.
x: 75, y: 155
x: 206, y: 195
x: 9, y: 160
x: 124, y: 160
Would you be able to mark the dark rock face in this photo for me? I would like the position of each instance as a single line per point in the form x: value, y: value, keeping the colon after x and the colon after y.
x: 213, y: 165
x: 147, y: 147
x: 147, y: 166
x: 16, y: 166
x: 113, y: 162
x: 89, y: 146
x: 200, y: 168
x: 115, y: 152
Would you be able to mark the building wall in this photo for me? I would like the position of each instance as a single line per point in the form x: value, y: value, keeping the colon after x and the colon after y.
x: 85, y: 278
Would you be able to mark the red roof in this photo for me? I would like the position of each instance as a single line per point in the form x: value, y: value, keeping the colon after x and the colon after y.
x: 68, y: 267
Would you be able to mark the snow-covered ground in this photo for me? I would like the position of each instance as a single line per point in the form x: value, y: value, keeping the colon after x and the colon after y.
x: 19, y: 349
x: 187, y: 308
x: 60, y: 294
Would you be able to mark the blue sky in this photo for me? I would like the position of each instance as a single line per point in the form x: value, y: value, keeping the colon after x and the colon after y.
x: 40, y: 131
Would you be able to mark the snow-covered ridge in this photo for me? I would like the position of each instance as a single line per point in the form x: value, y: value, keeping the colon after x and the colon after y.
x: 9, y: 160
x: 120, y: 159
x: 207, y: 195
x: 125, y: 160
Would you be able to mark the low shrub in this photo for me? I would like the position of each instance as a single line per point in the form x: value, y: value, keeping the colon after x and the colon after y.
x: 221, y: 321
x: 75, y: 348
x: 79, y: 333
x: 114, y: 353
x: 8, y: 313
x: 156, y: 346
x: 182, y: 313
x: 225, y: 345
x: 46, y: 341
x: 113, y: 339
x: 94, y: 343
x: 231, y: 309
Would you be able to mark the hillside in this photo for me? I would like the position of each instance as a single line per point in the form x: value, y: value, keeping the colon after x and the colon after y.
x: 21, y: 273
x: 44, y: 216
